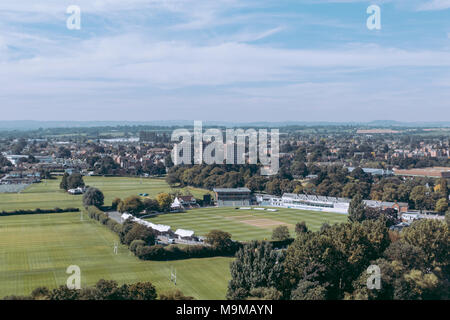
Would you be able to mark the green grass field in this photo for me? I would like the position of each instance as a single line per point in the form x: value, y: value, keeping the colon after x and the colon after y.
x: 36, y: 251
x: 46, y: 195
x: 246, y: 224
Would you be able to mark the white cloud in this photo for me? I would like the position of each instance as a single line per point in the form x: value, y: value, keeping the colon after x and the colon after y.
x: 176, y: 64
x: 254, y: 36
x: 435, y: 5
x: 230, y: 81
x: 51, y: 8
x: 42, y: 70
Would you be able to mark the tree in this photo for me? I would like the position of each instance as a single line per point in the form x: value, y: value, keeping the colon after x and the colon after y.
x: 335, y: 256
x: 174, y: 295
x: 75, y: 180
x: 150, y: 205
x: 274, y: 187
x: 64, y: 293
x: 91, y: 160
x: 257, y: 265
x: 256, y: 183
x: 115, y: 203
x: 391, y: 278
x: 432, y: 236
x: 359, y: 174
x: 132, y: 204
x: 140, y: 232
x: 93, y: 197
x: 64, y: 183
x: 45, y: 174
x: 301, y: 227
x: 389, y: 215
x: 154, y: 169
x: 324, y: 227
x: 107, y: 290
x: 142, y: 291
x: 168, y: 161
x: 281, y: 233
x: 389, y: 194
x: 410, y: 256
x: 40, y: 293
x: 401, y: 283
x: 219, y: 239
x: 103, y: 290
x: 442, y: 205
x: 299, y: 169
x: 425, y: 285
x: 443, y: 187
x: 72, y: 181
x: 356, y: 209
x: 265, y: 294
x: 308, y: 290
x: 298, y: 189
x: 64, y: 153
x: 4, y: 162
x: 351, y: 189
x: 106, y: 165
x: 135, y: 244
x: 19, y: 146
x: 172, y: 178
x: 419, y: 195
x: 164, y: 201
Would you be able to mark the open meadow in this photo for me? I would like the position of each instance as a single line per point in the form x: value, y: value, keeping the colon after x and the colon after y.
x: 46, y: 195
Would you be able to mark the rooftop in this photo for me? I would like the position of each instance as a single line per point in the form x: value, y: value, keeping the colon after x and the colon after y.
x: 184, y: 233
x: 231, y: 190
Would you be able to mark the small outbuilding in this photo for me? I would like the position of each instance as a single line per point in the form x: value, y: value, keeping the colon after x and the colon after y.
x: 185, y: 234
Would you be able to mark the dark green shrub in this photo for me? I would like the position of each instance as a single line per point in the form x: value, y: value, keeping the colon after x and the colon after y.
x: 135, y: 244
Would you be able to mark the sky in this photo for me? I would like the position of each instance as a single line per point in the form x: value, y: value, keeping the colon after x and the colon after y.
x: 225, y: 60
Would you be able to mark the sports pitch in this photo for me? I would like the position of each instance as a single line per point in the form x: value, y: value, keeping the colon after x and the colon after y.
x: 246, y: 224
x: 36, y: 251
x: 46, y: 195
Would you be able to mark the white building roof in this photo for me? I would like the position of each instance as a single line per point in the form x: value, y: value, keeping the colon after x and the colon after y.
x: 184, y: 233
x: 161, y: 227
x: 176, y: 203
x: 157, y: 227
x: 125, y: 216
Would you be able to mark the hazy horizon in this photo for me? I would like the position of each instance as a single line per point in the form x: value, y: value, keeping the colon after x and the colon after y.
x: 8, y: 125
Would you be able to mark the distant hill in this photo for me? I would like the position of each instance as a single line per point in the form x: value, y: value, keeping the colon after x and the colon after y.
x: 33, y: 125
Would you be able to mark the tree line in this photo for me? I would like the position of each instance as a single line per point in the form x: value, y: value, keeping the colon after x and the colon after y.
x: 332, y: 264
x: 333, y: 181
x: 103, y: 290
